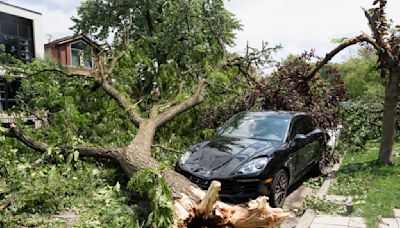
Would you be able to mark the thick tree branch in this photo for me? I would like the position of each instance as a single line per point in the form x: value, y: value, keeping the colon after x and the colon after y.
x: 160, y: 107
x: 197, y: 98
x: 15, y: 132
x: 99, y: 152
x: 343, y: 45
x: 122, y: 101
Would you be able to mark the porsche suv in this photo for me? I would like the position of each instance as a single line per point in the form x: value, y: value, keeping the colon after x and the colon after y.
x: 256, y: 153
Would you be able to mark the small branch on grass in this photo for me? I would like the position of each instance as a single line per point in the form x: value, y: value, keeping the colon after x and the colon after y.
x: 7, y: 204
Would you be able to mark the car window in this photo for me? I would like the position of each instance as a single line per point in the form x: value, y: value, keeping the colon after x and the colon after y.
x: 309, y: 124
x: 302, y: 125
x: 272, y: 127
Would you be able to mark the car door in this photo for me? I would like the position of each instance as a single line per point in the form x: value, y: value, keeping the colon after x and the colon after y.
x: 313, y: 135
x: 304, y: 150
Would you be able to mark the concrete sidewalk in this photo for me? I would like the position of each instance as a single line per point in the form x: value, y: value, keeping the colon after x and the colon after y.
x: 329, y: 221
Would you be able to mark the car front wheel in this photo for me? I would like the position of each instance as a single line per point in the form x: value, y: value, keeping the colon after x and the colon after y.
x: 279, y: 188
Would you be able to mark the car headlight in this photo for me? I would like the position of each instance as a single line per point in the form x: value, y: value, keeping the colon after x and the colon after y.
x: 254, y: 166
x: 186, y: 156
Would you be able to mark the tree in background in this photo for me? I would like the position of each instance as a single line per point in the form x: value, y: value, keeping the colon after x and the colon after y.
x: 361, y: 75
x: 387, y: 46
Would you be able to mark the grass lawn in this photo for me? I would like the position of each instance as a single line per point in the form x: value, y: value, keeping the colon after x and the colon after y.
x: 375, y: 188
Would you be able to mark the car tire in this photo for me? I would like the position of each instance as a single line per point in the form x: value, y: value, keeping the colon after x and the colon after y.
x: 279, y: 188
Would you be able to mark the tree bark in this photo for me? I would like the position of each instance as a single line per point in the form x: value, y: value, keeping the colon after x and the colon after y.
x: 135, y: 160
x: 137, y: 156
x: 389, y: 117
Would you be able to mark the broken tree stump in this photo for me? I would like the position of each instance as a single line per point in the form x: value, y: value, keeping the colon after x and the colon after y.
x: 212, y: 213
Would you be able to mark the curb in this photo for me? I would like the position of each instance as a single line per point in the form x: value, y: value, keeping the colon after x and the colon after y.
x: 308, y: 217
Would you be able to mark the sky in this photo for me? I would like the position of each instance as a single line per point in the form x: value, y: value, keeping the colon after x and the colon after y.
x: 296, y: 25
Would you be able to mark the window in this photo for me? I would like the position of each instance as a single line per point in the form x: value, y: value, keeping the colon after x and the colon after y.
x: 309, y: 124
x: 16, y: 34
x: 81, y: 55
x: 300, y: 126
x: 8, y: 91
x: 75, y: 57
x: 263, y: 127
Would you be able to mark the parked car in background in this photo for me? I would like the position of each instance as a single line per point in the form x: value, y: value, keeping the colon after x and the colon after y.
x: 256, y: 153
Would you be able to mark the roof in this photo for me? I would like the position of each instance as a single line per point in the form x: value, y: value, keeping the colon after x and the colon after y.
x: 69, y: 39
x: 21, y: 8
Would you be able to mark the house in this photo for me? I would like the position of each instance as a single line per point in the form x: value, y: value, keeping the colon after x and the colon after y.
x: 21, y: 35
x: 74, y: 52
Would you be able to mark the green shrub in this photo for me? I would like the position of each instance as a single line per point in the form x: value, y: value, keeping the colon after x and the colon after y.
x: 362, y: 122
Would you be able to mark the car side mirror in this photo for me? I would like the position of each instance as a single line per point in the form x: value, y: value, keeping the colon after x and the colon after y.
x: 299, y: 137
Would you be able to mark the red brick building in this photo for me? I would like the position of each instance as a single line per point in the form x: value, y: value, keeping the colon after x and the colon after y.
x: 76, y: 53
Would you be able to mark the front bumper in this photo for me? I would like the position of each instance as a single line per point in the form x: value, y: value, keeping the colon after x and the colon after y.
x: 232, y: 189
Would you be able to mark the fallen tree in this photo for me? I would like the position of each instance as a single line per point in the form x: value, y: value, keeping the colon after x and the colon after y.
x: 152, y: 49
x: 156, y: 69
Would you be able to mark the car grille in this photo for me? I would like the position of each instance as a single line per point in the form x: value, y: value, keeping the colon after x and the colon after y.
x: 202, y: 183
x: 233, y: 187
x: 227, y: 187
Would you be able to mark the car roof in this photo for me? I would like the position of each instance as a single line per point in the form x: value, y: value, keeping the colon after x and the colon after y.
x: 288, y: 114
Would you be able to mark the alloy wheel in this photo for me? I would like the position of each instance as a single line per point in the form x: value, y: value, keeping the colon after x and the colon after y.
x: 280, y: 189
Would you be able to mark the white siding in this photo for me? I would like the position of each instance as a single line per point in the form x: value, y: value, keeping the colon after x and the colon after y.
x: 37, y: 25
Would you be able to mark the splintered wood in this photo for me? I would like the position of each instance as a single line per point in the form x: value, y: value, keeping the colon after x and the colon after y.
x: 212, y: 213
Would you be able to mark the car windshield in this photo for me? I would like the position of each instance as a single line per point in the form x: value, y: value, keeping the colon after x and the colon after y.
x: 268, y: 127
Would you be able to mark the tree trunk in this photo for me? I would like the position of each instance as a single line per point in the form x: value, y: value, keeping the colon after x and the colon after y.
x: 134, y: 160
x: 137, y: 156
x: 144, y: 138
x: 389, y: 118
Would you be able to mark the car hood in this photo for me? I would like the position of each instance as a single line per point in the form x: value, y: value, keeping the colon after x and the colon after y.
x: 221, y: 157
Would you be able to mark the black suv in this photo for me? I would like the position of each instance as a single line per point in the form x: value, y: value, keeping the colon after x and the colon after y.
x: 256, y: 153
